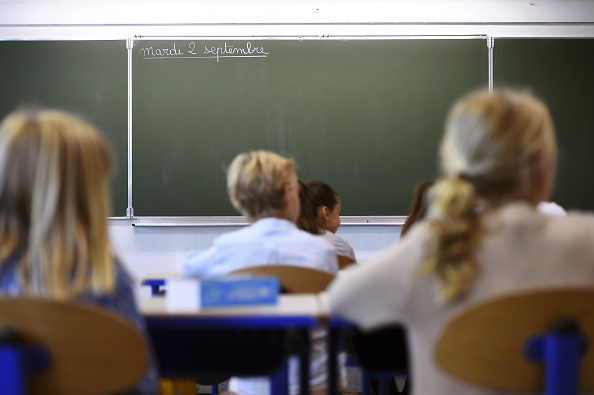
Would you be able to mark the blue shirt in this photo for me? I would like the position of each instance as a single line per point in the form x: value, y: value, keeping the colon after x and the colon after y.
x: 121, y: 301
x: 266, y: 241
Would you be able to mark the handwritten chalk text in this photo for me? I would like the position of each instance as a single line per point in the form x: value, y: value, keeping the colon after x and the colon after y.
x: 152, y: 53
x: 227, y: 50
x: 190, y: 51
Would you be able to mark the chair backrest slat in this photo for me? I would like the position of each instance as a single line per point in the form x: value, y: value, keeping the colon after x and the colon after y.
x: 293, y: 279
x: 345, y: 261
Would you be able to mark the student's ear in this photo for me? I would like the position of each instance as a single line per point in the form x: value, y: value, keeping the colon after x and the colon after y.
x: 286, y: 194
x: 542, y: 175
x: 325, y: 212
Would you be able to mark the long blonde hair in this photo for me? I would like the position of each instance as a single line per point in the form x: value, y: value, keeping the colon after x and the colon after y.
x: 54, y: 202
x: 491, y: 138
x: 255, y: 181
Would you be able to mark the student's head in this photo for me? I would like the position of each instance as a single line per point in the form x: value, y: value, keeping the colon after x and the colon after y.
x: 54, y: 202
x: 503, y: 144
x: 418, y: 207
x: 498, y: 147
x: 325, y: 203
x: 263, y: 184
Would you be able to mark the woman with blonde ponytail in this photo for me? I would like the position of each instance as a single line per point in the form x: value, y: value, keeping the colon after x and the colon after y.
x: 482, y: 236
x: 54, y: 205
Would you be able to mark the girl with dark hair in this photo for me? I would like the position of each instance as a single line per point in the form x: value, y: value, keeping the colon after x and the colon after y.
x: 320, y: 215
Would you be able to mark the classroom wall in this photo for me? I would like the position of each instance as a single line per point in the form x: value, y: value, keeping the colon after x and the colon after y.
x: 162, y: 248
x: 113, y: 19
x: 129, y: 12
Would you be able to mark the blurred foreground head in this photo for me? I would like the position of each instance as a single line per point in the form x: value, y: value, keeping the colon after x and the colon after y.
x: 54, y: 202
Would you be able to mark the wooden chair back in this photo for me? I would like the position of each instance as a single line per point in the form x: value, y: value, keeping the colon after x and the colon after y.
x: 92, y: 351
x: 484, y: 344
x: 345, y: 261
x: 293, y: 279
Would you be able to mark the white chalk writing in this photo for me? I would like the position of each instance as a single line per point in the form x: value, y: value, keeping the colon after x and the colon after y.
x: 231, y: 51
x: 152, y: 53
x: 190, y: 51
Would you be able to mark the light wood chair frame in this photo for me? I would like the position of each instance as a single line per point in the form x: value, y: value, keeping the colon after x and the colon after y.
x: 487, y: 344
x: 91, y: 350
x: 293, y: 279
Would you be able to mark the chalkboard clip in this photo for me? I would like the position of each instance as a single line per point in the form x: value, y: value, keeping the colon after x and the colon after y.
x: 130, y: 212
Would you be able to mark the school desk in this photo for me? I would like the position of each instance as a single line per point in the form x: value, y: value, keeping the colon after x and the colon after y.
x: 220, y: 342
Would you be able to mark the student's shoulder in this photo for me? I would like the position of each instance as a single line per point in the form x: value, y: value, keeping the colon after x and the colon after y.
x: 262, y: 228
x: 333, y: 237
x: 573, y: 232
x: 569, y: 239
x: 313, y: 239
x: 576, y: 225
x: 245, y: 234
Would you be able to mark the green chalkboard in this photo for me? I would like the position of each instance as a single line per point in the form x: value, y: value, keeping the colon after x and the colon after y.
x: 561, y: 72
x: 363, y: 115
x: 88, y: 78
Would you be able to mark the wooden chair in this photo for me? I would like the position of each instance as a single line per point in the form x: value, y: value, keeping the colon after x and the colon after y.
x: 345, y: 261
x: 77, y: 349
x: 490, y: 344
x: 293, y: 279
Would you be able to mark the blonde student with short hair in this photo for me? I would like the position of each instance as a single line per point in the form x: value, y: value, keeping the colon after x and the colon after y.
x: 263, y: 186
x: 54, y: 203
x: 482, y: 237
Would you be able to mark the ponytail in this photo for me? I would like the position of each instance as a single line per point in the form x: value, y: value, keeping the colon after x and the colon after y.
x: 489, y: 142
x: 308, y: 219
x: 454, y: 234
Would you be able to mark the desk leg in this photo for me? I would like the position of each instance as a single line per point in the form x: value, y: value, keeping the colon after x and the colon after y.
x: 279, y: 381
x: 304, y: 360
x: 333, y: 342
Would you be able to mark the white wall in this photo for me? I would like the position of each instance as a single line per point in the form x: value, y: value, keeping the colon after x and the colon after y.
x: 149, y: 249
x: 131, y: 12
x: 126, y: 18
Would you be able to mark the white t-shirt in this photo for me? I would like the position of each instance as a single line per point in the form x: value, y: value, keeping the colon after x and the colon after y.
x: 340, y: 245
x: 551, y: 208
